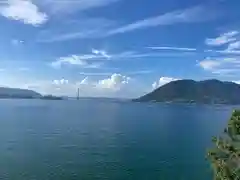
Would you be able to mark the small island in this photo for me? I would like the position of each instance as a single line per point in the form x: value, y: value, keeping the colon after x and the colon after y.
x: 51, y: 97
x: 190, y: 91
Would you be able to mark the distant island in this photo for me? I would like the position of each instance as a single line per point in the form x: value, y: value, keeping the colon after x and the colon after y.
x: 51, y: 97
x: 16, y: 93
x: 190, y: 91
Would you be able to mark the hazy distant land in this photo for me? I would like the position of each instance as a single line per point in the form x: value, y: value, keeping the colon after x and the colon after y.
x: 17, y: 93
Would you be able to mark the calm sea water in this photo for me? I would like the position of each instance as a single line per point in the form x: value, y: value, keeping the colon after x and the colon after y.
x: 93, y: 139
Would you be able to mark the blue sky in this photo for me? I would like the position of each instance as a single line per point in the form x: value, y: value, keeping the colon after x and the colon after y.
x: 116, y: 48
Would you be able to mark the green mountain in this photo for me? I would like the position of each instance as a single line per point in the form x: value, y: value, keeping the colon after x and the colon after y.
x: 189, y: 91
x: 18, y: 93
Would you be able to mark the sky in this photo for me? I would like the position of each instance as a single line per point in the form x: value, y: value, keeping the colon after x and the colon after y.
x: 116, y: 48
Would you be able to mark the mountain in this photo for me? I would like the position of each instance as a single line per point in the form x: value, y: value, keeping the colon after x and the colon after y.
x: 190, y: 91
x: 18, y: 93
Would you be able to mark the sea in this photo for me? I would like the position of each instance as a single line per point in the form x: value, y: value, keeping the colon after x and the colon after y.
x: 103, y: 139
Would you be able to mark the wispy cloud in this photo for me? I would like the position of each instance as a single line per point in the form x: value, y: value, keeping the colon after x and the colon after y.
x: 225, y: 71
x: 83, y: 28
x: 222, y: 39
x: 74, y: 60
x: 71, y: 6
x: 83, y: 34
x: 190, y: 15
x: 22, y: 10
x: 105, y: 27
x: 141, y: 55
x: 235, y: 46
x: 172, y: 48
x: 98, y: 57
x: 221, y: 66
x: 84, y: 61
x: 229, y: 60
x: 226, y: 51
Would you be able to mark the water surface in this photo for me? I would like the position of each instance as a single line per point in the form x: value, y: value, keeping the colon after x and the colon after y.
x: 97, y: 139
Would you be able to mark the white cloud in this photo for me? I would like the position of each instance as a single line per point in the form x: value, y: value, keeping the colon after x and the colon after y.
x: 173, y: 48
x: 190, y: 15
x: 222, y: 39
x: 209, y: 64
x: 101, y: 52
x: 22, y: 10
x: 115, y: 82
x: 104, y: 87
x: 162, y: 81
x: 114, y: 86
x: 60, y: 82
x: 109, y: 87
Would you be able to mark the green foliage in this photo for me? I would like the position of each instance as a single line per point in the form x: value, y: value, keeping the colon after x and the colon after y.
x: 225, y: 157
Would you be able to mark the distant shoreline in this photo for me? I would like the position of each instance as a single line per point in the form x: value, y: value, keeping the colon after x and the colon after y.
x: 179, y: 102
x: 16, y: 93
x: 40, y: 98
